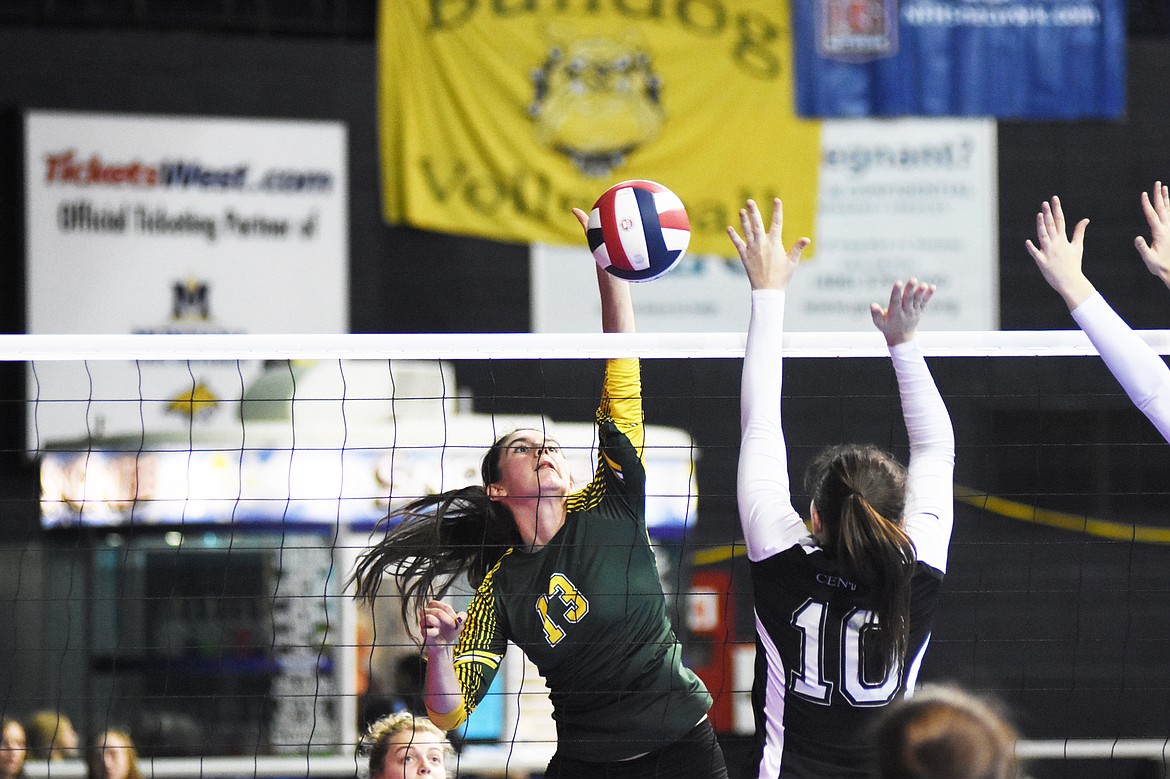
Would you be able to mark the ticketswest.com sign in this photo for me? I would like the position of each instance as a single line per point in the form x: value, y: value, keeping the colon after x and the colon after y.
x: 162, y: 224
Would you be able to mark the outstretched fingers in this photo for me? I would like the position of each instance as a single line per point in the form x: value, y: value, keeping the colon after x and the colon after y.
x: 898, y: 322
x: 736, y: 241
x: 746, y: 227
x: 896, y: 294
x: 1045, y: 233
x: 915, y: 296
x: 1157, y: 208
x: 1156, y: 252
x: 1057, y: 215
x: 918, y: 294
x: 1050, y: 223
x: 1052, y: 239
x: 761, y: 248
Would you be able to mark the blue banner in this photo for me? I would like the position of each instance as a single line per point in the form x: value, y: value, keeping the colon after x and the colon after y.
x: 1030, y: 59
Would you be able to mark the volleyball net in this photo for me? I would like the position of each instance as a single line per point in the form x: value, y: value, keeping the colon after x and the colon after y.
x: 183, y: 514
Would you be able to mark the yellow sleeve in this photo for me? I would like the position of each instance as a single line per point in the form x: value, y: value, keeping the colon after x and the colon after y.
x: 621, y: 399
x: 478, y: 654
x: 451, y: 719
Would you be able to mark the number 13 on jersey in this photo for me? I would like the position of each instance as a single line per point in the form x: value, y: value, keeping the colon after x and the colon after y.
x: 576, y: 606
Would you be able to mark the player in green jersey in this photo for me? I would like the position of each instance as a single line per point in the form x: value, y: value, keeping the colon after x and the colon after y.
x: 569, y: 576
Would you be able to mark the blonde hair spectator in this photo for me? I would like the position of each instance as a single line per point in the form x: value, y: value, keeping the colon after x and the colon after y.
x: 51, y: 736
x: 403, y: 746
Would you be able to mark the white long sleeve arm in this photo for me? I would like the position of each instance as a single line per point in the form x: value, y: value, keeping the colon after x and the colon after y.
x: 770, y: 523
x: 1142, y: 373
x: 930, y: 505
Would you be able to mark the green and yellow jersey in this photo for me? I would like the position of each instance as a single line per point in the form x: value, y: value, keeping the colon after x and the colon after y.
x: 588, y: 609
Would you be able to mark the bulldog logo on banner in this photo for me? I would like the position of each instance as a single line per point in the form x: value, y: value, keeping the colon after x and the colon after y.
x: 596, y: 100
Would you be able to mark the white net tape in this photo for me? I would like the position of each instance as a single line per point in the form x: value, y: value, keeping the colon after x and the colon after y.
x: 523, y: 346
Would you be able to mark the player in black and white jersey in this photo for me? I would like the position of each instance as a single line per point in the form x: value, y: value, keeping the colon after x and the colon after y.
x: 1138, y: 368
x: 844, y: 607
x: 569, y: 576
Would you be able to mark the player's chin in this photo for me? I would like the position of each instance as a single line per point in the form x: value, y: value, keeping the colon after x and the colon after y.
x: 552, y: 488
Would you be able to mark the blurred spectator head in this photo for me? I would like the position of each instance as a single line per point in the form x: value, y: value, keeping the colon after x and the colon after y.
x: 112, y: 755
x: 945, y: 733
x: 12, y: 749
x: 51, y: 736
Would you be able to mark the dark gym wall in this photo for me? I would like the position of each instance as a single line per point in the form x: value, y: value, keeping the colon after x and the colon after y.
x: 1099, y: 170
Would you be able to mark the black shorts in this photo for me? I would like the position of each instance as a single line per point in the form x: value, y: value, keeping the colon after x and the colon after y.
x: 696, y: 755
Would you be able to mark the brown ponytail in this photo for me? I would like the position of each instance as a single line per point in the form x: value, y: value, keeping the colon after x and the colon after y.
x: 437, y: 539
x: 860, y: 495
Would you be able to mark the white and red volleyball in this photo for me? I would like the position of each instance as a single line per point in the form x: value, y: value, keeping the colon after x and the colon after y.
x: 638, y: 230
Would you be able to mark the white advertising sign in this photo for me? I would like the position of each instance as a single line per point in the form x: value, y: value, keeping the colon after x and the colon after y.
x: 166, y: 224
x: 897, y: 198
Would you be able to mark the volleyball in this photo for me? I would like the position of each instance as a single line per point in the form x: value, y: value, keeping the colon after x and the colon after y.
x: 638, y: 230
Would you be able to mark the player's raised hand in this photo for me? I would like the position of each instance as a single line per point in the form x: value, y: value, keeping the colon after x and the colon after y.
x: 1156, y: 253
x: 761, y: 250
x: 899, y: 321
x: 1058, y: 257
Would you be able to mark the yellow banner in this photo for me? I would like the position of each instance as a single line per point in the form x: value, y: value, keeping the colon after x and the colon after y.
x: 498, y: 116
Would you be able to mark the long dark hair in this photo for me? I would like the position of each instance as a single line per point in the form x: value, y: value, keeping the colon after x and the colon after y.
x: 437, y: 538
x: 860, y: 496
